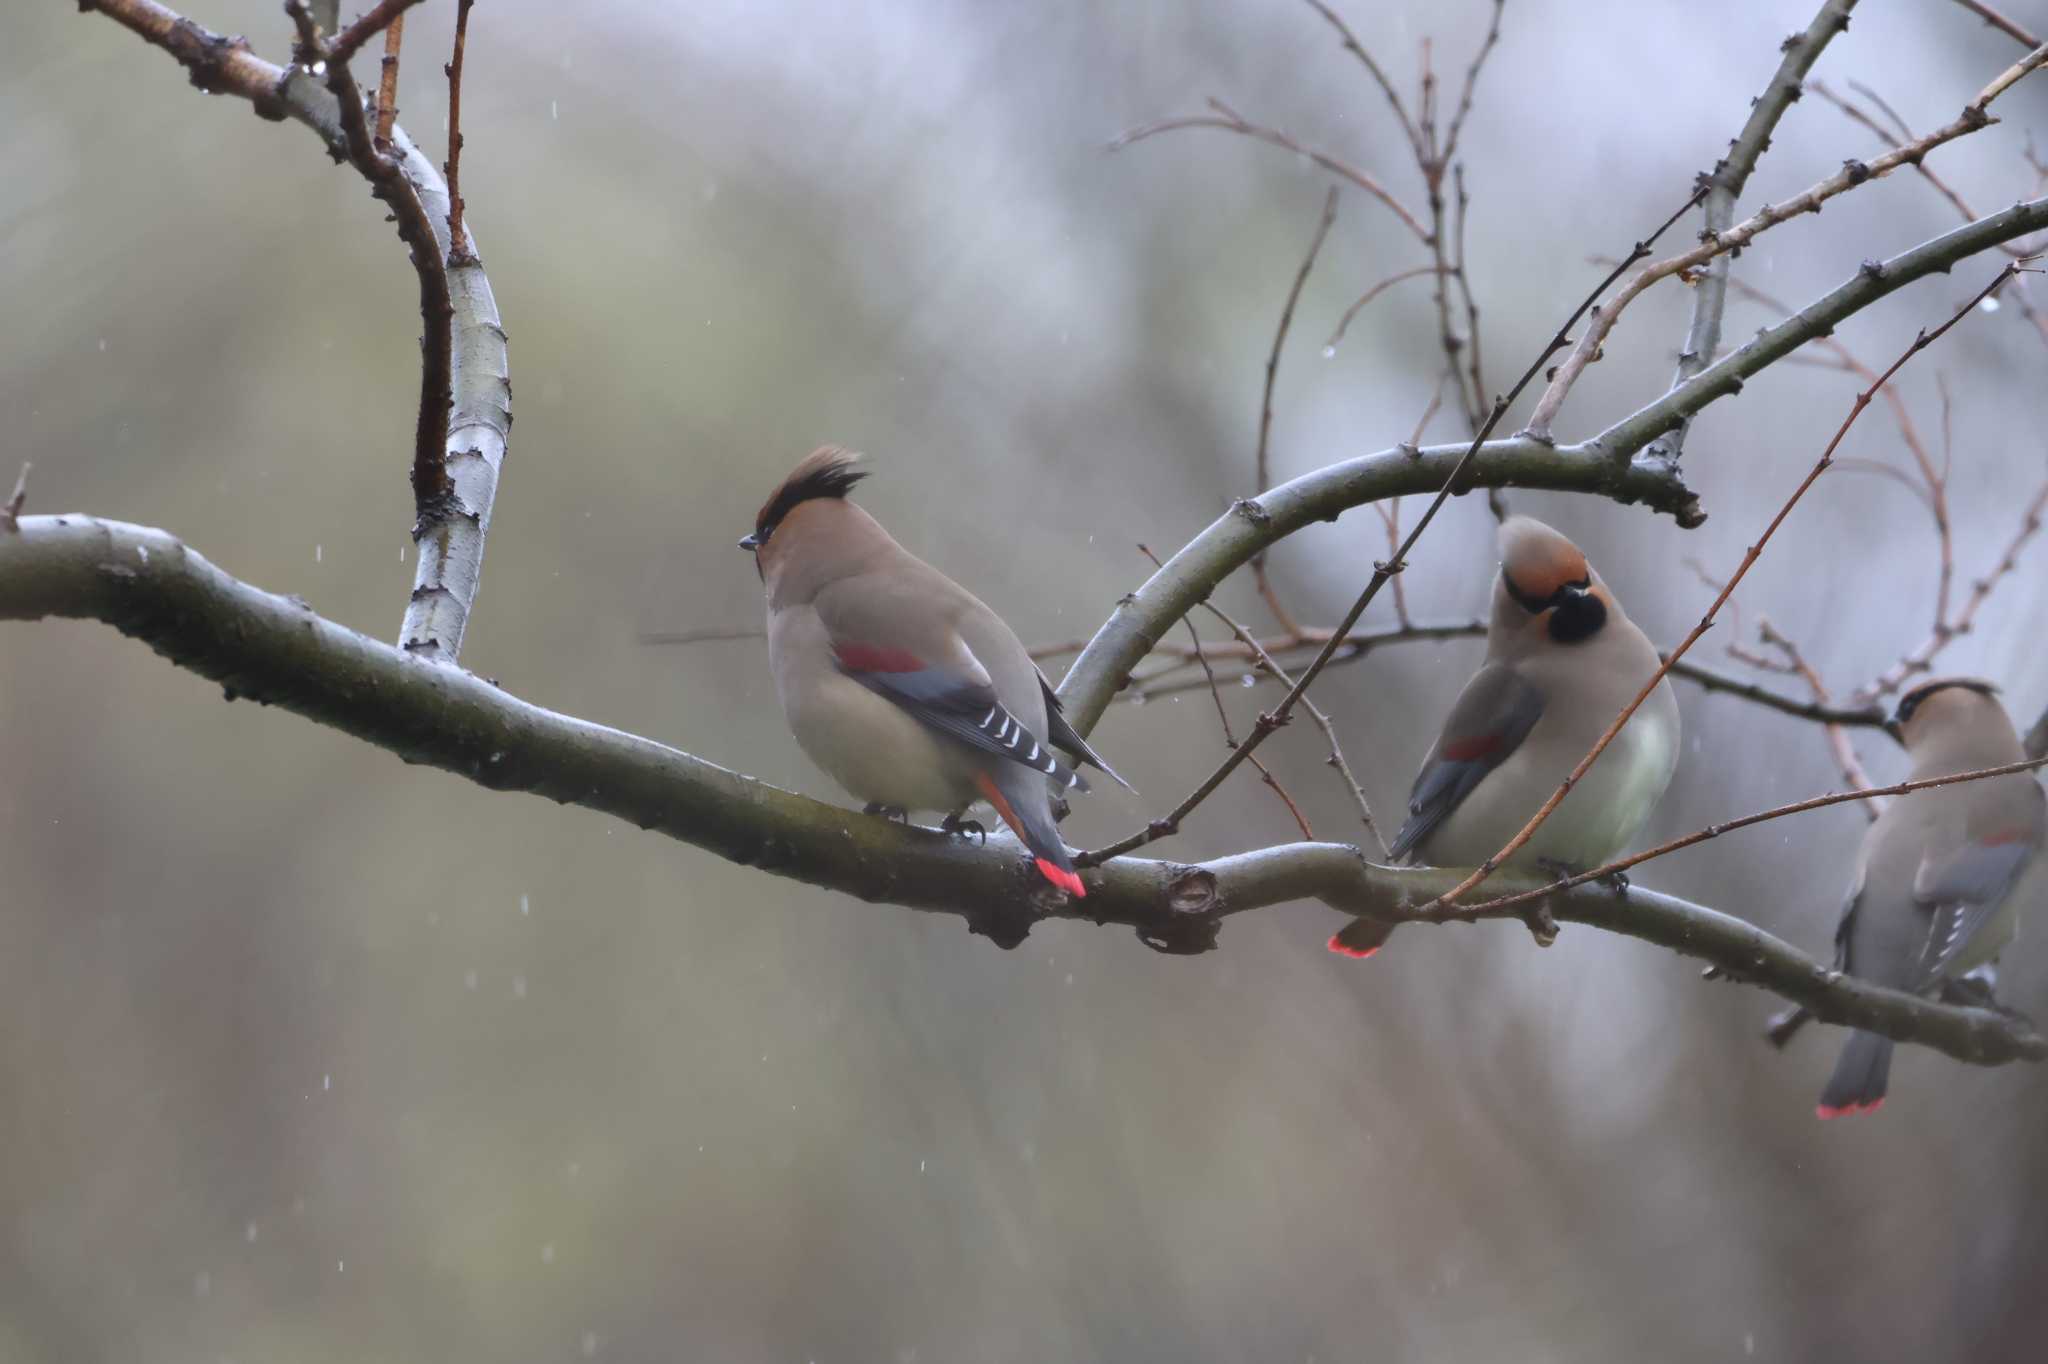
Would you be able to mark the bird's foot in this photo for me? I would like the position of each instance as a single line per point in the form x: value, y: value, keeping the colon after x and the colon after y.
x: 965, y: 828
x: 1542, y: 927
x: 893, y: 812
x: 1616, y: 881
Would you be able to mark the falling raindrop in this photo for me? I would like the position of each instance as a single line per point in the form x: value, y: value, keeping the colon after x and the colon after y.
x: 326, y: 1082
x: 469, y: 980
x: 1329, y: 352
x: 318, y: 551
x: 1989, y: 305
x: 525, y: 905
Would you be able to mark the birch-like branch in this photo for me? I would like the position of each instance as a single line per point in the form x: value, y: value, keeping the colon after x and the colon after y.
x: 479, y: 408
x: 277, y: 651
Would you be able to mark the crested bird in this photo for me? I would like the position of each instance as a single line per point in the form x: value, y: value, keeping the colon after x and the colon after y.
x: 1937, y: 888
x: 1562, y: 660
x: 897, y: 681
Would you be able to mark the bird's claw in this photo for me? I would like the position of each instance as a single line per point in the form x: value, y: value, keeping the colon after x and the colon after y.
x: 965, y: 828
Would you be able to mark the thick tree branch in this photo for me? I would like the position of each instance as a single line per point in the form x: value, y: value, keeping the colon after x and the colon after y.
x: 278, y: 651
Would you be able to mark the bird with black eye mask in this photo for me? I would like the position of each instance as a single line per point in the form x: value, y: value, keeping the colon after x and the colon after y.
x: 1562, y: 660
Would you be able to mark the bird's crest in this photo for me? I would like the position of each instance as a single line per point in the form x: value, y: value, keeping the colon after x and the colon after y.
x: 828, y: 471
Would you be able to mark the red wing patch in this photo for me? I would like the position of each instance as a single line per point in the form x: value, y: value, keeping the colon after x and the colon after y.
x: 1827, y: 1111
x: 1472, y: 749
x: 2007, y: 836
x: 875, y: 658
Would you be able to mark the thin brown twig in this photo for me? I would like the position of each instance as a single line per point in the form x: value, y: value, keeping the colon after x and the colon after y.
x: 1921, y: 660
x: 1464, y: 109
x: 1223, y: 719
x: 1266, y: 664
x: 1854, y: 173
x: 1230, y: 120
x: 1890, y: 139
x: 387, y: 84
x: 1261, y: 466
x: 433, y: 492
x: 1999, y: 22
x: 459, y: 250
x: 1462, y: 276
x: 1390, y: 510
x: 1863, y: 400
x: 1344, y: 322
x: 1851, y: 766
x: 1378, y: 74
x: 369, y: 26
x: 1278, y: 716
x: 1623, y: 864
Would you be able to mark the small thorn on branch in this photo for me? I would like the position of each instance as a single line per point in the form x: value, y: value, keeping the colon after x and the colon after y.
x: 10, y: 510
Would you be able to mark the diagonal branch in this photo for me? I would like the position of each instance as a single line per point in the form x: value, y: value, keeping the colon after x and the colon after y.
x: 1724, y: 188
x: 1228, y: 119
x: 1853, y: 173
x: 277, y: 651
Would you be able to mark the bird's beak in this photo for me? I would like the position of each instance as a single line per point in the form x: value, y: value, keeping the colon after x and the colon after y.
x: 1896, y: 730
x: 750, y: 543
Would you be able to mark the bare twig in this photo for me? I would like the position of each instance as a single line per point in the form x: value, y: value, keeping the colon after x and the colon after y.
x: 1223, y: 719
x: 1379, y: 75
x: 369, y: 26
x: 1838, y: 738
x: 1999, y: 22
x: 459, y: 249
x: 1449, y: 150
x: 10, y: 510
x: 1336, y: 759
x: 1344, y: 322
x: 432, y: 491
x: 1267, y: 723
x: 1262, y: 469
x: 387, y: 83
x: 1724, y: 187
x: 1890, y: 139
x: 1453, y: 911
x: 1750, y: 556
x: 1921, y: 660
x: 1854, y: 173
x: 1230, y: 120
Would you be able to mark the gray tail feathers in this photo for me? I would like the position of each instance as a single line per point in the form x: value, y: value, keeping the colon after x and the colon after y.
x: 1860, y: 1077
x: 1020, y: 797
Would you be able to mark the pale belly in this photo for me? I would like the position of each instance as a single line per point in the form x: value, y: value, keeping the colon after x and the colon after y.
x: 1600, y: 817
x: 877, y: 752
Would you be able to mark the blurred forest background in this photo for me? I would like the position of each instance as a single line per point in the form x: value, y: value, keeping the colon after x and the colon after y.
x: 308, y: 1055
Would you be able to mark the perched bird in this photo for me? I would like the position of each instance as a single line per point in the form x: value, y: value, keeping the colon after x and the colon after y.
x: 1934, y: 896
x: 896, y: 681
x: 1561, y: 662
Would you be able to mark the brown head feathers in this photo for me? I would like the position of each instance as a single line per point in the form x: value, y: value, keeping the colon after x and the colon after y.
x: 1914, y: 699
x: 1537, y: 562
x: 828, y: 471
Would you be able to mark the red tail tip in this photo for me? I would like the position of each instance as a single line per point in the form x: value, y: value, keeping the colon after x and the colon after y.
x: 1826, y: 1111
x: 1068, y: 881
x: 1344, y: 949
